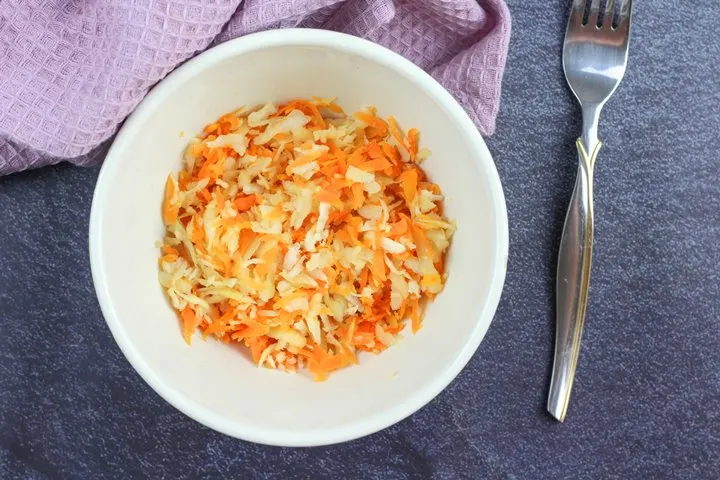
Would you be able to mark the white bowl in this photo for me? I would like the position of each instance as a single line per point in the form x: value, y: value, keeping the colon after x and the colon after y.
x: 215, y: 383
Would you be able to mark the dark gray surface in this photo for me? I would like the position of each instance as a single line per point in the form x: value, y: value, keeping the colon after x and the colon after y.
x: 646, y: 402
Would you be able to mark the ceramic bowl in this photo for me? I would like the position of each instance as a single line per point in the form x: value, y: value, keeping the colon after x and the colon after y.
x: 216, y: 384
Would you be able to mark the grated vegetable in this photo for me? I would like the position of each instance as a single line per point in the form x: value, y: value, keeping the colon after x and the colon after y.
x: 303, y: 233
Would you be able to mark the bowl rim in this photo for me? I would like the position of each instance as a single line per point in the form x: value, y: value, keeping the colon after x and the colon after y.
x: 346, y: 44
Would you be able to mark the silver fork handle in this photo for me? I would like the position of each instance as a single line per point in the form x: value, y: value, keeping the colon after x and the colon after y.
x: 573, y: 276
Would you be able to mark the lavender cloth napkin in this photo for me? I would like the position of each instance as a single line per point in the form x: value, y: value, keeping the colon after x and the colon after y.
x: 72, y: 70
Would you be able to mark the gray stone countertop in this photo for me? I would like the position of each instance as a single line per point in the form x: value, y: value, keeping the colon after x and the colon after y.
x: 646, y: 402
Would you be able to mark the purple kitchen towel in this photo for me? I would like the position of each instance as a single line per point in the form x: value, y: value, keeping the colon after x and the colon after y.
x: 72, y: 70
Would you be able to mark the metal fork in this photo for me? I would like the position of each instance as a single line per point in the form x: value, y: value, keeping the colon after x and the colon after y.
x: 595, y: 55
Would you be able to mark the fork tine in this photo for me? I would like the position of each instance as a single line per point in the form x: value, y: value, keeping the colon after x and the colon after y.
x: 594, y: 13
x: 576, y: 13
x: 609, y: 17
x: 625, y: 11
x: 625, y: 17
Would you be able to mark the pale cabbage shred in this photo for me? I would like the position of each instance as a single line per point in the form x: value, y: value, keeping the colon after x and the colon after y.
x: 280, y: 211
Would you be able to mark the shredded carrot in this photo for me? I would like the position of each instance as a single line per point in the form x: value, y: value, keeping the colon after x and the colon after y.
x: 327, y: 195
x: 170, y: 207
x: 415, y: 315
x: 376, y: 164
x: 213, y: 127
x: 421, y: 240
x: 358, y: 197
x: 374, y: 150
x: 413, y: 141
x: 257, y: 345
x: 396, y: 132
x: 246, y: 236
x: 398, y: 228
x: 409, y: 181
x: 334, y: 362
x: 243, y: 203
x: 391, y: 152
x: 374, y: 122
x: 189, y: 323
x: 198, y: 233
x: 228, y: 123
x: 379, y: 268
x: 205, y: 195
x: 303, y: 243
x: 219, y: 199
x: 197, y: 149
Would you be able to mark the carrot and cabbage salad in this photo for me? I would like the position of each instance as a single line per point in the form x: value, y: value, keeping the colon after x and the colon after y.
x: 306, y: 234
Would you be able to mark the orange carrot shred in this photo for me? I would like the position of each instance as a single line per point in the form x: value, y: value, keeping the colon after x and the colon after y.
x: 373, y: 122
x: 379, y: 264
x: 415, y: 314
x: 413, y: 140
x: 376, y: 164
x: 170, y: 210
x: 398, y: 228
x: 358, y: 195
x: 244, y: 203
x: 374, y: 150
x: 327, y: 196
x: 220, y: 199
x: 246, y: 236
x: 189, y: 323
x: 409, y: 181
x: 396, y: 132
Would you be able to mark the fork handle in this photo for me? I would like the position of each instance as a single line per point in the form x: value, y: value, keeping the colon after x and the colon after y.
x: 573, y: 280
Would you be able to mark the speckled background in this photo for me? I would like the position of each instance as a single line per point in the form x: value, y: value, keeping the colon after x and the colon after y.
x: 646, y: 402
